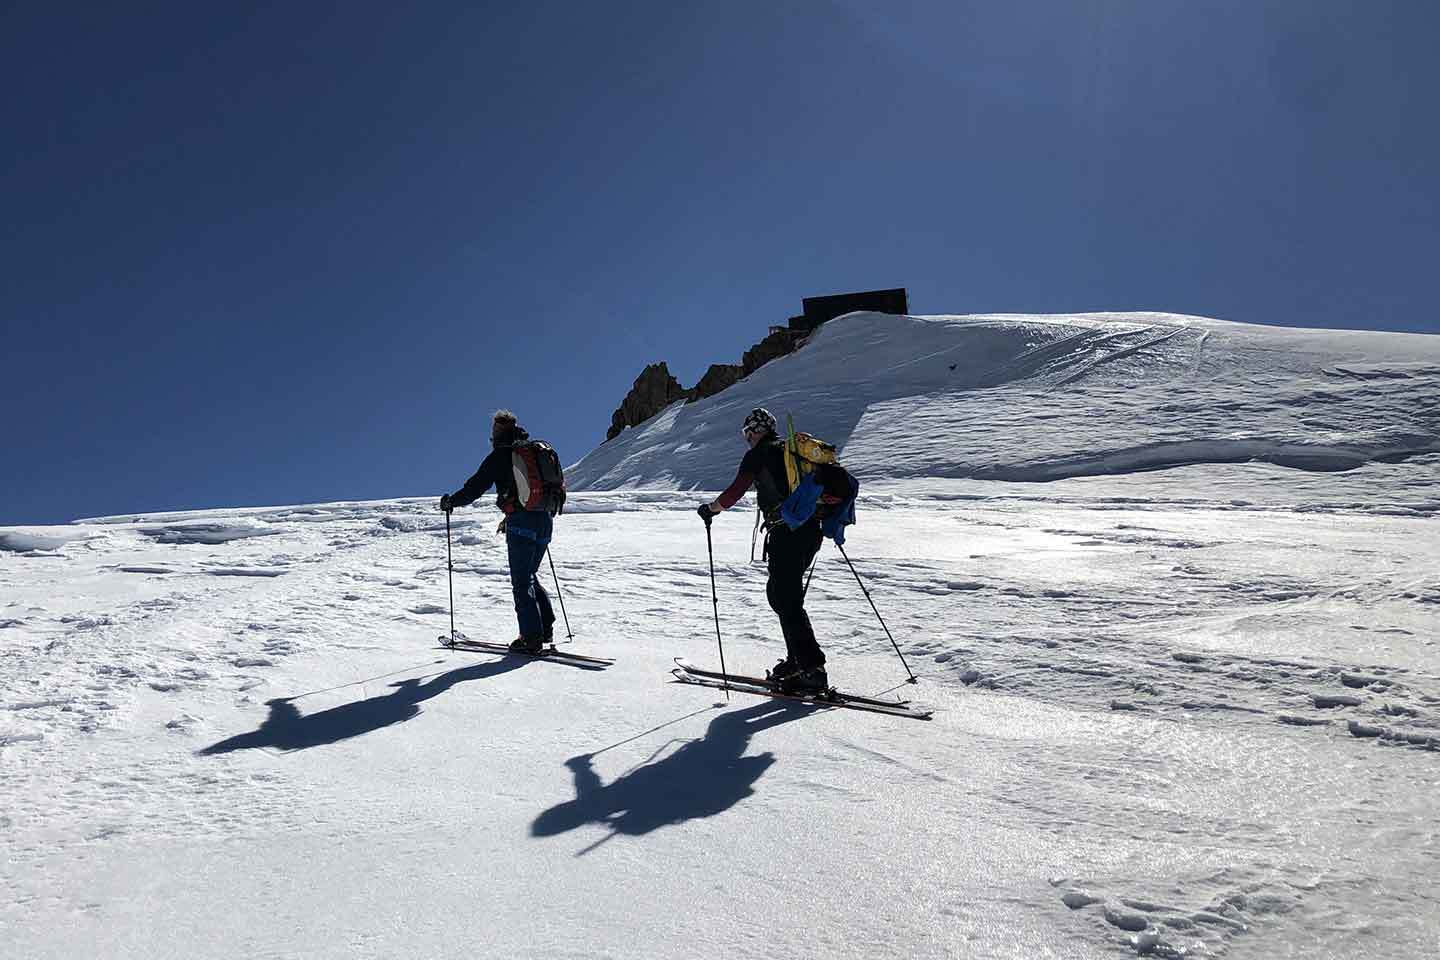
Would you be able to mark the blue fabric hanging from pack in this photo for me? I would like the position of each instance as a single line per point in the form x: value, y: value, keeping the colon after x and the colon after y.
x: 799, y: 507
x: 842, y: 516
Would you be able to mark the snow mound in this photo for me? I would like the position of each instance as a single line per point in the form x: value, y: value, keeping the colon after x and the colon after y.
x: 1030, y: 398
x: 211, y: 533
x: 33, y: 539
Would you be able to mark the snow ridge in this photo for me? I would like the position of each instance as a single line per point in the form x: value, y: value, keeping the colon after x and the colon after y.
x: 1037, y: 399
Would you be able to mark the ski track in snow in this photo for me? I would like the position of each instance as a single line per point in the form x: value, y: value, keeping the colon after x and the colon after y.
x: 1193, y: 712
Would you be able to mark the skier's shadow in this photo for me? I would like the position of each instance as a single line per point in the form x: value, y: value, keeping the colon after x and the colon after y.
x: 286, y: 728
x: 704, y: 777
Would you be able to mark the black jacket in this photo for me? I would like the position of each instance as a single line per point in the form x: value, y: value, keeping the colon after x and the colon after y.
x: 495, y: 470
x: 766, y: 463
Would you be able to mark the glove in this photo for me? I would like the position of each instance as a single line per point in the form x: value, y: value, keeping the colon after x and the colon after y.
x: 445, y: 503
x: 706, y: 513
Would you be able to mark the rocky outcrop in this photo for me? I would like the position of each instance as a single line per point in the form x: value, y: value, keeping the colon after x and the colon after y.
x: 653, y: 391
x: 717, y: 378
x: 779, y: 343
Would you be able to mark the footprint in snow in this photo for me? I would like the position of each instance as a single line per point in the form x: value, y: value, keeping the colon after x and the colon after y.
x: 1360, y: 680
x: 1325, y: 701
x: 244, y: 572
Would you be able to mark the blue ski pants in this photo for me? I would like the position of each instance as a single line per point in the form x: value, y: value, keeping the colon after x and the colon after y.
x: 527, y: 537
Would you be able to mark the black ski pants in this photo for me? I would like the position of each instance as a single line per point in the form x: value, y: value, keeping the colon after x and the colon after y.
x: 790, y: 554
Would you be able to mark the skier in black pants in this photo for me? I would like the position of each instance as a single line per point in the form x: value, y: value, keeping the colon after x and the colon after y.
x: 527, y: 533
x: 789, y: 551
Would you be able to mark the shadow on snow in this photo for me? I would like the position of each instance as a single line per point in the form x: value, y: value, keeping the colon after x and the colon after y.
x: 704, y: 777
x: 286, y: 728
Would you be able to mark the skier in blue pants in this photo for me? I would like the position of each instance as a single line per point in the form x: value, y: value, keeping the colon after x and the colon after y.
x: 527, y: 532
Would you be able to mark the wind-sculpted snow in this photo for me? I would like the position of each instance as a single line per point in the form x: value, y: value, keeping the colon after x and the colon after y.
x: 36, y: 539
x: 211, y: 533
x: 1320, y: 424
x: 1036, y: 399
x: 1193, y: 712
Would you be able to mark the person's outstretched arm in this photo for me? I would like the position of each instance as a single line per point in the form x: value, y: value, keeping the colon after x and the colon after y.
x: 488, y: 474
x: 732, y: 494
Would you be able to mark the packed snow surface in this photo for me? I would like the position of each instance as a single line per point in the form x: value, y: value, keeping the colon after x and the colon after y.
x: 1190, y: 711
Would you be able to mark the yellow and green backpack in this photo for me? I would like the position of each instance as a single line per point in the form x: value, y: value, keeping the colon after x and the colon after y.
x: 805, y: 455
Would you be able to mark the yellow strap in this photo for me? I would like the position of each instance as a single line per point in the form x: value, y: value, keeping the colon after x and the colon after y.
x: 792, y: 465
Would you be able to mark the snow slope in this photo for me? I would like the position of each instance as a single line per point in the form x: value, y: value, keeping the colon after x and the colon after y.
x: 1027, y: 398
x: 1186, y: 712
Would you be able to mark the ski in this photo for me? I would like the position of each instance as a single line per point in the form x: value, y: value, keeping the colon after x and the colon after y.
x: 685, y: 673
x: 689, y: 667
x: 835, y: 699
x: 460, y: 642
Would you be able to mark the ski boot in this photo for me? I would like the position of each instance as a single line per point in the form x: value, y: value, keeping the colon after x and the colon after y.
x: 531, y: 645
x: 810, y: 682
x: 778, y: 673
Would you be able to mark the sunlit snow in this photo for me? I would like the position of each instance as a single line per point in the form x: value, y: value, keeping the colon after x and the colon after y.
x: 1187, y: 689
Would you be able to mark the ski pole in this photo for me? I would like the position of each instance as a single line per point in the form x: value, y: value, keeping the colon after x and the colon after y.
x: 913, y: 678
x: 715, y: 598
x: 810, y: 576
x: 568, y: 634
x: 450, y: 575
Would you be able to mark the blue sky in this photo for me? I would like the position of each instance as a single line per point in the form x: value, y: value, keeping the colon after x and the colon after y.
x: 277, y: 253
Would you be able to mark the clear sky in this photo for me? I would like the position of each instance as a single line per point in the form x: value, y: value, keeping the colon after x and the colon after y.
x: 270, y: 253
